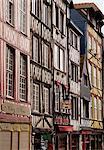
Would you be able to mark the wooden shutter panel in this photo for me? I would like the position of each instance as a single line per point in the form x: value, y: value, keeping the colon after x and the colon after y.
x: 5, y: 140
x: 24, y: 141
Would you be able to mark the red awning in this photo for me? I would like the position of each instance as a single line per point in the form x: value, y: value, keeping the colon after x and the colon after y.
x: 65, y: 128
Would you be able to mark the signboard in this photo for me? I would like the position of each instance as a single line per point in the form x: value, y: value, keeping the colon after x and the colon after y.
x: 66, y: 104
x: 62, y: 119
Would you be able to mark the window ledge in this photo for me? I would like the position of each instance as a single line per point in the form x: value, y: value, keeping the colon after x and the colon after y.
x: 9, y: 97
x: 10, y: 24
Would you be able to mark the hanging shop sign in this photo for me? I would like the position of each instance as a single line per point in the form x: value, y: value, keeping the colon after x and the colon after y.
x: 66, y: 104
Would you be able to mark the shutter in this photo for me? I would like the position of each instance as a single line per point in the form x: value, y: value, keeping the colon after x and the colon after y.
x: 15, y: 141
x: 5, y: 140
x: 24, y: 141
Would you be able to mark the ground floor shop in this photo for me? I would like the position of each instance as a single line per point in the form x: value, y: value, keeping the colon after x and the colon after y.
x: 92, y: 140
x: 42, y: 139
x: 14, y: 136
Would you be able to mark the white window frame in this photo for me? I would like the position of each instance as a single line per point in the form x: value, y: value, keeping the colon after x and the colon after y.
x: 46, y: 54
x: 23, y: 77
x: 10, y: 14
x: 46, y: 99
x: 35, y: 50
x: 10, y: 64
x: 59, y: 58
x: 36, y: 97
x: 23, y: 13
x: 36, y: 7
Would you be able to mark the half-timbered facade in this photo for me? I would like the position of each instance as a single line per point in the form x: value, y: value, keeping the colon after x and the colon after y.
x: 90, y: 23
x: 14, y: 75
x: 41, y: 74
x: 61, y: 102
x: 74, y: 81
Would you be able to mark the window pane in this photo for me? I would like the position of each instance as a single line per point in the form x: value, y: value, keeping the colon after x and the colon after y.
x: 61, y: 21
x: 23, y: 77
x: 35, y: 104
x: 35, y: 49
x: 62, y: 60
x: 56, y: 56
x: 45, y: 100
x: 45, y: 55
x: 10, y: 71
x: 23, y: 16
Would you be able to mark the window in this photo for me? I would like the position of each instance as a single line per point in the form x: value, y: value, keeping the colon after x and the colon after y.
x: 85, y: 108
x: 90, y: 71
x: 73, y: 39
x: 85, y: 80
x: 36, y: 94
x: 57, y: 98
x: 10, y: 61
x: 10, y: 11
x: 23, y: 16
x: 57, y: 17
x: 94, y: 76
x: 74, y: 72
x: 61, y: 21
x: 23, y: 78
x: 95, y: 108
x: 36, y: 54
x: 45, y: 103
x: 74, y: 107
x: 46, y: 55
x: 47, y: 15
x: 59, y: 58
x: 36, y: 7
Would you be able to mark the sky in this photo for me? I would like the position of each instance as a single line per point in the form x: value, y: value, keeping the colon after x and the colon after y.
x: 99, y: 3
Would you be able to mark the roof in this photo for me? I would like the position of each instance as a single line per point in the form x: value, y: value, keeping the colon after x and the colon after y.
x: 87, y: 6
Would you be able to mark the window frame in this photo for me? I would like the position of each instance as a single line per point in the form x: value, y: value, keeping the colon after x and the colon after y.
x: 8, y: 71
x: 34, y: 51
x: 10, y: 20
x: 74, y: 72
x: 23, y: 15
x: 22, y: 56
x: 35, y: 101
x: 45, y: 109
x: 74, y: 107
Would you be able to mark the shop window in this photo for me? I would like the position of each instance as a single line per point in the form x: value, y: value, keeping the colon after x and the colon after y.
x: 10, y: 65
x: 23, y: 78
x: 74, y: 101
x: 10, y: 11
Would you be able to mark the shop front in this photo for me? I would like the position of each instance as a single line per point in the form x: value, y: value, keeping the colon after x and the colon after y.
x: 42, y: 140
x: 62, y: 130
